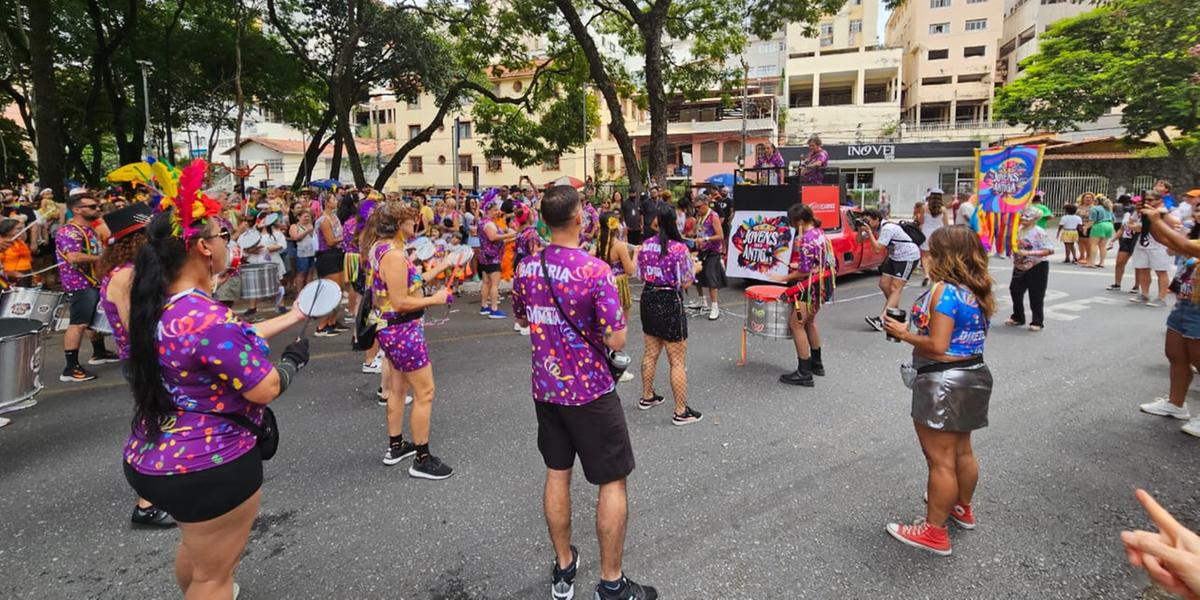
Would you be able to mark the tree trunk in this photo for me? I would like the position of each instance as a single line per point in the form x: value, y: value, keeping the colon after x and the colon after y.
x: 166, y: 98
x: 657, y: 97
x: 335, y: 165
x: 50, y: 151
x: 342, y: 106
x: 608, y: 90
x: 313, y: 153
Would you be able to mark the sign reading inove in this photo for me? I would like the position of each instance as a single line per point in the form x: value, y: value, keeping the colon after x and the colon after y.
x: 887, y: 151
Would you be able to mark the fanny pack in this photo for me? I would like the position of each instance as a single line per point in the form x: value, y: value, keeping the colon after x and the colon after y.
x: 405, y: 318
x: 266, y: 435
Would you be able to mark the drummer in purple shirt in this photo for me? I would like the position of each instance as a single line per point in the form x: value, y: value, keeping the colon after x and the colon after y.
x: 78, y: 249
x: 575, y: 398
x: 201, y: 382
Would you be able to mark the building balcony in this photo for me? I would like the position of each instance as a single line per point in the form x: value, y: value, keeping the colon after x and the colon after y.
x: 713, y: 116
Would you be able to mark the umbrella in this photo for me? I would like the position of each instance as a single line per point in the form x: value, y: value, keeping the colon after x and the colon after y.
x: 325, y: 184
x: 722, y: 179
x: 567, y: 180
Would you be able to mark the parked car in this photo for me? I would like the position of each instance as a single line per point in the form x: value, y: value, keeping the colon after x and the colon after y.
x: 853, y: 251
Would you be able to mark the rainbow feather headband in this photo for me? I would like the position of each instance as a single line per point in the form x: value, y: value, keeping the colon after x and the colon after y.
x: 173, y: 188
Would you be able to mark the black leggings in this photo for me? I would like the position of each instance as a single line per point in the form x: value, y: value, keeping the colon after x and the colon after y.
x: 1034, y: 280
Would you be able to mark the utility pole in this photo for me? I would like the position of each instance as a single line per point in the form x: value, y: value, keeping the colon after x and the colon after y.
x: 145, y: 66
x: 454, y: 150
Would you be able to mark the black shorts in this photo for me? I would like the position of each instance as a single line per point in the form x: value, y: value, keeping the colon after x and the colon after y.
x: 813, y: 294
x: 900, y: 269
x: 83, y: 305
x: 201, y: 495
x: 595, y: 431
x: 1126, y: 244
x: 330, y: 262
x: 489, y: 268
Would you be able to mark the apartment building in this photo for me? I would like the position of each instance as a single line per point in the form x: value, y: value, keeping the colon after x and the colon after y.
x: 949, y: 66
x: 1024, y: 23
x: 841, y: 84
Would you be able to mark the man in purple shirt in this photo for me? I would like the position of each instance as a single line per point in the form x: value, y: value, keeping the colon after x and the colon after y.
x: 575, y: 399
x: 78, y: 248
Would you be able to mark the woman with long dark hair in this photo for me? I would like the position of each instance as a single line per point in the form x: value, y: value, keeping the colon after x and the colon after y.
x: 470, y: 217
x: 116, y: 278
x: 951, y: 385
x: 931, y: 218
x: 201, y: 380
x: 616, y: 252
x: 398, y: 291
x: 330, y: 260
x: 813, y: 267
x: 665, y: 264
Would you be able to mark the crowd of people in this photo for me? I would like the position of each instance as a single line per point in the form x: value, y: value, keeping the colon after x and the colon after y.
x: 201, y: 376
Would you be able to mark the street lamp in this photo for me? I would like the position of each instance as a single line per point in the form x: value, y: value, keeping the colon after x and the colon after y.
x: 145, y: 66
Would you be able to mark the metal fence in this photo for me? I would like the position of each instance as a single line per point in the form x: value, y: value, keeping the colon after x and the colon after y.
x: 1064, y: 187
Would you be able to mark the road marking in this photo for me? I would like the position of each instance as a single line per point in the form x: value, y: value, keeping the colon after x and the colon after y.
x: 1079, y: 305
x: 1066, y: 270
x: 853, y: 298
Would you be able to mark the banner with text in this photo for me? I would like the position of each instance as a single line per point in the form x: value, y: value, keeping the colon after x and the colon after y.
x: 760, y: 244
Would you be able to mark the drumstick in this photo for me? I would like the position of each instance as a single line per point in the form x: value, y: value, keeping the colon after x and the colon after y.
x: 309, y: 319
x: 23, y: 230
x: 40, y: 271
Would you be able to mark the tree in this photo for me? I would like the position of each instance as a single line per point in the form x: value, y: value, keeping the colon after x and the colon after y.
x: 1132, y: 54
x: 51, y: 170
x: 15, y: 164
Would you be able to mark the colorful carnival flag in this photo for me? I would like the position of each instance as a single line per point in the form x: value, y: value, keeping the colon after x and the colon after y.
x: 1006, y: 177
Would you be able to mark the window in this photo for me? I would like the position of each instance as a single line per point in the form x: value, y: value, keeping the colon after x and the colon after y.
x: 612, y: 163
x: 275, y: 164
x: 826, y: 34
x: 939, y: 3
x: 974, y: 51
x: 732, y: 150
x: 939, y: 54
x: 971, y: 77
x: 976, y: 24
x: 494, y: 164
x: 464, y: 130
x: 709, y: 152
x: 937, y: 28
x: 856, y: 26
x: 413, y: 131
x: 415, y: 165
x: 517, y: 86
x: 414, y: 104
x: 982, y: 1
x: 936, y: 80
x: 464, y: 163
x: 550, y: 163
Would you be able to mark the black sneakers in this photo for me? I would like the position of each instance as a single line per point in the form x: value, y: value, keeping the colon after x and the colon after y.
x: 151, y: 516
x: 687, y: 417
x: 75, y: 374
x: 651, y: 402
x: 430, y: 467
x: 562, y: 583
x: 629, y: 591
x: 875, y: 322
x: 396, y: 453
x: 103, y: 358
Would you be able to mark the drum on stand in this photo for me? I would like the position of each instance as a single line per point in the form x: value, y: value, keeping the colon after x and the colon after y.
x: 20, y: 362
x: 767, y: 310
x: 260, y: 280
x: 30, y: 303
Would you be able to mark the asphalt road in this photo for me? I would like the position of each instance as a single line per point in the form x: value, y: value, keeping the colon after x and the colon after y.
x: 779, y: 493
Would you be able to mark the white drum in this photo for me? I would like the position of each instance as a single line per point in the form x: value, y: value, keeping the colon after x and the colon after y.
x: 30, y: 303
x: 20, y: 360
x: 260, y: 280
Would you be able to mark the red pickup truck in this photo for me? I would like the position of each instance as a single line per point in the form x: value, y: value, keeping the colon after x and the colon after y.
x: 854, y: 253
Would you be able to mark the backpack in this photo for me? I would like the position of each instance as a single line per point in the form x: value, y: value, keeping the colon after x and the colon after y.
x: 913, y: 230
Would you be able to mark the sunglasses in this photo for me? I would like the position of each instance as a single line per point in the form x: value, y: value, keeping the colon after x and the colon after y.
x: 88, y: 206
x: 225, y: 235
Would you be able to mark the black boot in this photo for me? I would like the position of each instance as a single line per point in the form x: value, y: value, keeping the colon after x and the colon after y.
x: 818, y: 368
x: 801, y: 376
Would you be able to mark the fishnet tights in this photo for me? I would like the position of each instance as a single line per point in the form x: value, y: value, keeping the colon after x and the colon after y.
x: 677, y: 357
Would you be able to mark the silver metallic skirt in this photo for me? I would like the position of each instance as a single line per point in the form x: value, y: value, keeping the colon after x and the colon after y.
x: 955, y: 399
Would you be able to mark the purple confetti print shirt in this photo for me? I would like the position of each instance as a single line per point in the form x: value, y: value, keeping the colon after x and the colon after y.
x: 208, y: 359
x: 708, y: 228
x: 120, y: 335
x: 490, y: 252
x: 673, y: 270
x: 350, y: 235
x: 379, y: 286
x: 73, y: 238
x: 809, y: 251
x: 568, y: 370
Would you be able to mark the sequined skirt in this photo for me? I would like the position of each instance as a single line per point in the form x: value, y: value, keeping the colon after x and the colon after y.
x: 662, y: 314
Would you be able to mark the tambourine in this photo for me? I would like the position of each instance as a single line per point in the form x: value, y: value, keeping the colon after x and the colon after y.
x: 423, y: 248
x: 319, y: 298
x: 249, y: 239
x: 269, y: 220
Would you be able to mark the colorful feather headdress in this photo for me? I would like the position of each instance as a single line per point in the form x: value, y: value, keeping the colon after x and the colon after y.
x: 173, y: 188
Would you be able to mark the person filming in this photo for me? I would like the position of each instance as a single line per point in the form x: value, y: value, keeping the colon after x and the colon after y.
x: 903, y: 254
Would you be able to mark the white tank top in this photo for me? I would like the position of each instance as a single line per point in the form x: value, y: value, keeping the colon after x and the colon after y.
x: 930, y: 225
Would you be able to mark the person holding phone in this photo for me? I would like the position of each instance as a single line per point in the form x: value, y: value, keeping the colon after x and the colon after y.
x: 952, y: 385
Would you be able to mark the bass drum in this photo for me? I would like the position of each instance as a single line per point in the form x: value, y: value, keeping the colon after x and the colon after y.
x: 20, y: 360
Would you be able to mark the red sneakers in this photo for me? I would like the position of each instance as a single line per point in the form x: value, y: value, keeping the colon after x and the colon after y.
x: 922, y: 535
x: 963, y: 515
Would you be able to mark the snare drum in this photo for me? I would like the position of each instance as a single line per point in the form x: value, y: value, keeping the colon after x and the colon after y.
x: 260, y: 280
x: 100, y: 322
x: 30, y: 303
x: 767, y: 311
x: 20, y: 360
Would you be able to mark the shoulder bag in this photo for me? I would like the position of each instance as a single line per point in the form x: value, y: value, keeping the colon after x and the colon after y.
x: 267, y: 434
x: 617, y: 360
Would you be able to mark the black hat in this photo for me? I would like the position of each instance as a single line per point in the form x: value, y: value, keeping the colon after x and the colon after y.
x: 128, y: 220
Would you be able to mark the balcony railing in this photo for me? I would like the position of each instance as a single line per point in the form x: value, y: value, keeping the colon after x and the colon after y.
x: 948, y: 126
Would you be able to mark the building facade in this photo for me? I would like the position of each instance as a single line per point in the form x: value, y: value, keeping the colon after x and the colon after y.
x: 842, y: 85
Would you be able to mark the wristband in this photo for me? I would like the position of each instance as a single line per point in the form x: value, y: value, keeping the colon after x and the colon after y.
x: 287, y: 370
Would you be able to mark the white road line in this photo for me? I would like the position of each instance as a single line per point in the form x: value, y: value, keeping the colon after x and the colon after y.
x: 853, y: 298
x: 1067, y: 271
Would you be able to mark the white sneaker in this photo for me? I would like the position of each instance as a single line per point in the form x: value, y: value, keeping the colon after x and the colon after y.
x: 4, y: 421
x: 626, y: 377
x: 694, y: 305
x: 1163, y: 408
x: 523, y: 331
x: 714, y: 313
x: 373, y: 367
x: 408, y: 399
x: 1192, y: 427
x: 516, y: 326
x: 1139, y: 299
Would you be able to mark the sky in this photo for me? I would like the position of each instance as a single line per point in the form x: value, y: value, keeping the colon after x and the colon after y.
x: 884, y: 13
